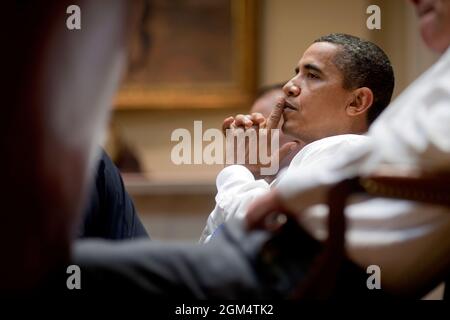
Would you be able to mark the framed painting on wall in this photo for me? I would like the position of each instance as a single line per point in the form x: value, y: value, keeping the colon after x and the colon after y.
x: 200, y: 54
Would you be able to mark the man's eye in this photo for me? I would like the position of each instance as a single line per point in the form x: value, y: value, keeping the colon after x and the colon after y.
x: 312, y: 76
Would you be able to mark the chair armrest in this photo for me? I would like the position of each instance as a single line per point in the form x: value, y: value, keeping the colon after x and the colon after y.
x: 388, y: 182
x: 414, y: 185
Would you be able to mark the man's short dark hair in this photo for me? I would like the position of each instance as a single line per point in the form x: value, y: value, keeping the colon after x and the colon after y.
x: 364, y: 64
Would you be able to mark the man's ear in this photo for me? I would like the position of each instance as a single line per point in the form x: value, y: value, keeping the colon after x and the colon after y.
x: 362, y: 99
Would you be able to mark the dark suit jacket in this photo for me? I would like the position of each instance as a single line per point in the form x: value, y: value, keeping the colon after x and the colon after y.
x: 110, y: 213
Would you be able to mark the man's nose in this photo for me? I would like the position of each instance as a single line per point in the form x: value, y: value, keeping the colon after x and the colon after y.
x: 291, y: 90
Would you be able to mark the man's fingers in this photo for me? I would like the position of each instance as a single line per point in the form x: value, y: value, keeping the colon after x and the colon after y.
x: 243, y: 121
x: 275, y: 115
x: 257, y: 118
x: 227, y: 124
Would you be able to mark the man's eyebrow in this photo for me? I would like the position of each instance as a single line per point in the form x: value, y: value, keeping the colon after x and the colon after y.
x: 310, y: 66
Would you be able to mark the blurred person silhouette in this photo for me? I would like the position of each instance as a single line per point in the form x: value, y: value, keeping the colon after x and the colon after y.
x: 62, y: 85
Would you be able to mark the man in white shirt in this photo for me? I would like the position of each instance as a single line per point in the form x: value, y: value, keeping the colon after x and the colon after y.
x: 408, y: 241
x: 341, y: 84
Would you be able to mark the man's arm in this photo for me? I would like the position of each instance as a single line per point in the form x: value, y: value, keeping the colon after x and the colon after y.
x: 237, y: 265
x: 222, y: 270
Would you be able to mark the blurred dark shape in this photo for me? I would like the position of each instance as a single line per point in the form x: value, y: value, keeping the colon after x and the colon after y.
x: 121, y: 152
x: 127, y: 161
x: 53, y: 80
x: 111, y: 213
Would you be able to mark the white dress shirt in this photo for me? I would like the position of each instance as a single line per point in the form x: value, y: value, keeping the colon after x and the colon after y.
x: 237, y: 188
x: 408, y: 241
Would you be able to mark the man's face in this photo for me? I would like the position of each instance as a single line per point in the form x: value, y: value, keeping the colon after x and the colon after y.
x: 315, y: 98
x: 434, y: 22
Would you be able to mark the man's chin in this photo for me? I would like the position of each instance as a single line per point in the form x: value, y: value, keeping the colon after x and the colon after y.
x: 287, y: 131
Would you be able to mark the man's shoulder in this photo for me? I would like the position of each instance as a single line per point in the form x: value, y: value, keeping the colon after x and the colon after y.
x: 328, y: 147
x: 336, y: 142
x: 341, y: 138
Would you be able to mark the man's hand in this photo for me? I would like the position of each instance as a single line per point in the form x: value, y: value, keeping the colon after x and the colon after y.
x: 256, y: 121
x: 267, y: 212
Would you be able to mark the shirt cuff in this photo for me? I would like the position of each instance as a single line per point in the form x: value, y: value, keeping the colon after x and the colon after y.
x: 233, y: 174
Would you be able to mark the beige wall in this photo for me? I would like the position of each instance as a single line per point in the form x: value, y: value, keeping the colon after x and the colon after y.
x: 150, y: 133
x: 286, y: 29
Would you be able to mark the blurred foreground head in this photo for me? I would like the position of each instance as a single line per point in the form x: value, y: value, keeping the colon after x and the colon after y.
x: 60, y: 87
x: 434, y: 23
